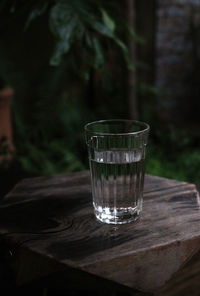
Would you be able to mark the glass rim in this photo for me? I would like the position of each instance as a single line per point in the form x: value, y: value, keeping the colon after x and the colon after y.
x: 145, y: 126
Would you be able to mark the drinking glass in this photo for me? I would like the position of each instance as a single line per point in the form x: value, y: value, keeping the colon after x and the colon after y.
x: 116, y: 150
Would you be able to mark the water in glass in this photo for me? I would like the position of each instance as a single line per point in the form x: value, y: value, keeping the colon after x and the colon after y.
x: 117, y: 184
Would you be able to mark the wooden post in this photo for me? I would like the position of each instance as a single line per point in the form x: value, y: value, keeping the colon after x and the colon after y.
x: 5, y: 121
x: 132, y: 98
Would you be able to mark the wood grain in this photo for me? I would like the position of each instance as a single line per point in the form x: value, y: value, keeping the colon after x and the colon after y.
x: 52, y: 217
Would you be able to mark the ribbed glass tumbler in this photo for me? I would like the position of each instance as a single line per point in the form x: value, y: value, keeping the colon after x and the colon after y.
x: 116, y: 151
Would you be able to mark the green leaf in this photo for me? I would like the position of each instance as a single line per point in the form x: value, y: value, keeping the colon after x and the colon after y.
x: 106, y: 31
x: 37, y: 11
x: 107, y: 20
x: 61, y: 48
x: 99, y: 54
x: 62, y: 21
x: 73, y: 22
x: 125, y: 53
x: 88, y: 39
x: 63, y: 24
x: 135, y: 36
x: 101, y: 28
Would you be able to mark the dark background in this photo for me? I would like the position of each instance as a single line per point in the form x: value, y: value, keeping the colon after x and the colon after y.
x: 56, y: 92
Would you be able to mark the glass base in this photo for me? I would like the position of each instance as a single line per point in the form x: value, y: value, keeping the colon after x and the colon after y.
x: 117, y: 216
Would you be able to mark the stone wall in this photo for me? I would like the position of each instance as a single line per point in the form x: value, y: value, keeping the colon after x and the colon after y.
x: 178, y: 59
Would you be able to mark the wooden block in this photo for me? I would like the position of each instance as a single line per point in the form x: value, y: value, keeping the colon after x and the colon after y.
x: 52, y: 218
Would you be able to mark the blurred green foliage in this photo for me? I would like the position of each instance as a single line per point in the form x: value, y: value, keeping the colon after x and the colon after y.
x: 173, y: 153
x: 56, y: 143
x: 81, y: 25
x: 62, y: 49
x: 68, y: 67
x: 183, y: 166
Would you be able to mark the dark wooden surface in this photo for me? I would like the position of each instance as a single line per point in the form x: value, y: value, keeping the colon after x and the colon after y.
x: 48, y: 225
